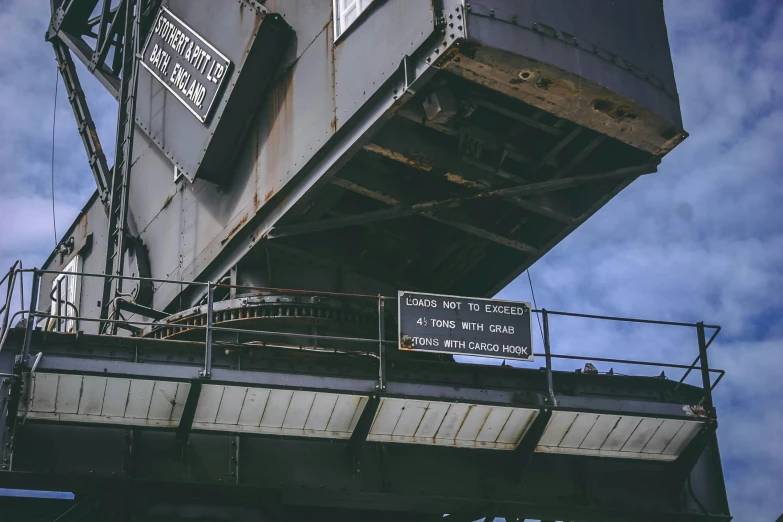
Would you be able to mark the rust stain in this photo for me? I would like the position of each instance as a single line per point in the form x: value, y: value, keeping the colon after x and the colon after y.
x: 453, y: 178
x: 234, y: 230
x: 620, y: 112
x: 167, y: 202
x: 269, y: 195
x: 396, y: 156
x: 276, y: 134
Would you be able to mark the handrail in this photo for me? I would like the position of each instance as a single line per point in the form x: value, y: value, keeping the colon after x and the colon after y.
x: 210, y: 328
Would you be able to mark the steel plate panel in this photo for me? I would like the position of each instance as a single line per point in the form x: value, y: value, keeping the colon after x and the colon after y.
x: 452, y: 422
x: 597, y: 435
x: 663, y: 436
x: 433, y: 418
x: 321, y: 412
x: 621, y: 433
x: 231, y: 405
x: 299, y: 410
x: 579, y: 430
x: 516, y: 426
x: 557, y: 428
x: 115, y: 400
x: 164, y: 395
x: 44, y: 391
x: 346, y: 409
x: 93, y: 390
x: 253, y: 407
x: 276, y: 408
x: 139, y: 398
x: 474, y: 421
x: 183, y: 389
x: 642, y: 435
x: 410, y: 418
x: 392, y: 30
x: 494, y: 424
x: 69, y: 389
x: 387, y: 417
x: 682, y: 438
x: 208, y: 403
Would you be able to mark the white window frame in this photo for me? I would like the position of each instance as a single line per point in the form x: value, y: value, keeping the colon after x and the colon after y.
x: 69, y: 284
x: 346, y: 13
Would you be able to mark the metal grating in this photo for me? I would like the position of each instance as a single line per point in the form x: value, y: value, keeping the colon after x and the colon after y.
x: 450, y: 424
x: 617, y: 436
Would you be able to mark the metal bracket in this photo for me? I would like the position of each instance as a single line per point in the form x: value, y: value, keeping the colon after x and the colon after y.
x: 359, y: 436
x: 189, y: 412
x: 527, y: 446
x: 233, y: 459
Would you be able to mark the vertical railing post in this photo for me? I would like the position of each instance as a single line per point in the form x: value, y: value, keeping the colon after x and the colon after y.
x: 551, y: 399
x: 28, y: 334
x: 206, y: 373
x: 381, y: 348
x: 59, y: 300
x: 705, y: 369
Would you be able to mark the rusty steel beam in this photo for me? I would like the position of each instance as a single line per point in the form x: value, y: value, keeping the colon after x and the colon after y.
x: 530, y: 122
x: 421, y: 208
x: 547, y: 212
x: 455, y: 223
x: 580, y: 157
x: 554, y: 151
x: 404, y: 143
x: 482, y: 233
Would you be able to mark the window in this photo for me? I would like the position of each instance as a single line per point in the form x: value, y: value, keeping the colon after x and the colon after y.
x: 65, y: 296
x: 347, y: 12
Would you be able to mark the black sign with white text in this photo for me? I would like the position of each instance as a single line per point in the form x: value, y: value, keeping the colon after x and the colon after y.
x: 465, y: 326
x: 186, y: 64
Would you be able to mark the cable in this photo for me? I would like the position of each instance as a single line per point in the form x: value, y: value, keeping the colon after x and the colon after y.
x: 538, y: 316
x: 54, y: 122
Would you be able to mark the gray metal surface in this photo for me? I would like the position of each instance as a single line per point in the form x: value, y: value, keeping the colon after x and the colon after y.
x: 241, y: 34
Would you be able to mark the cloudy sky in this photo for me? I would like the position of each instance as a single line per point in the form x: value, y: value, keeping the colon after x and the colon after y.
x: 700, y: 240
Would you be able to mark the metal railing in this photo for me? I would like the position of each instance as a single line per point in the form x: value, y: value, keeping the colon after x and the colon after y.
x: 209, y: 328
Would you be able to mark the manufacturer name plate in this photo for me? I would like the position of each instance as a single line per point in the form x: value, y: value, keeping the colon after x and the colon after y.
x: 465, y: 326
x: 187, y: 65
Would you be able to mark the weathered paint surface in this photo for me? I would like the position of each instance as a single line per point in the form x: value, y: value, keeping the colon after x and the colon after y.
x: 617, y: 436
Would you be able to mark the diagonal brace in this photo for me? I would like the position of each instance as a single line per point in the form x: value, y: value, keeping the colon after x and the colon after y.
x: 421, y: 208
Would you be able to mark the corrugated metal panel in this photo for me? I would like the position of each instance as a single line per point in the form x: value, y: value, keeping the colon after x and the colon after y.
x: 591, y: 434
x: 447, y: 424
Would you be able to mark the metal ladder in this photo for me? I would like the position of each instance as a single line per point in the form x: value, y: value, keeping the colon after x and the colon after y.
x: 120, y: 176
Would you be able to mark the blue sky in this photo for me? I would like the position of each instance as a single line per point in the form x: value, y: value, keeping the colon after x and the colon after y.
x: 700, y: 240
